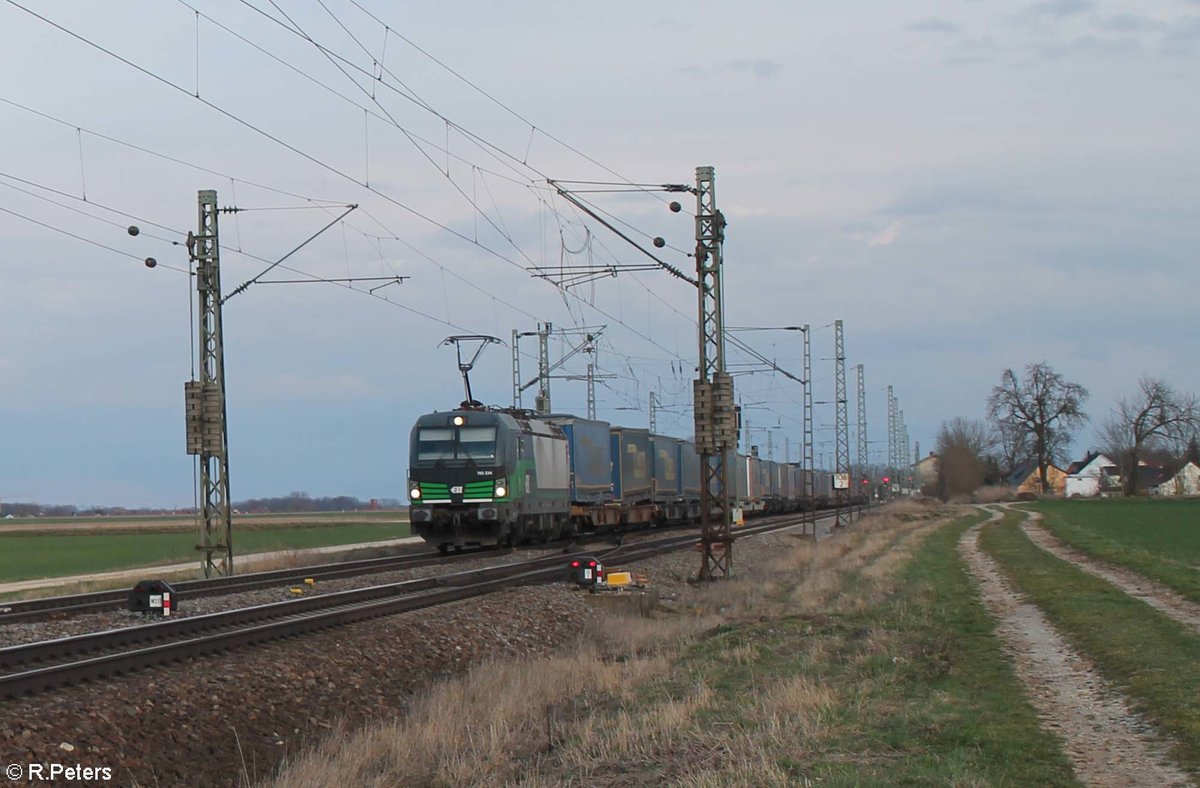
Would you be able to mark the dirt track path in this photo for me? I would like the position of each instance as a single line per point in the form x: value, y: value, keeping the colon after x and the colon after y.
x: 1154, y: 594
x: 1107, y: 744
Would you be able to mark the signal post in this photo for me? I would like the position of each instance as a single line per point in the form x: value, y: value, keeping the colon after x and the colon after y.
x: 207, y: 433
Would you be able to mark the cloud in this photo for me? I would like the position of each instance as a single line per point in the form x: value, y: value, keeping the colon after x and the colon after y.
x: 1182, y: 39
x: 973, y: 51
x: 960, y: 200
x: 1062, y: 8
x: 1129, y: 23
x: 760, y: 69
x: 1093, y: 45
x: 873, y: 235
x: 885, y: 237
x: 933, y: 25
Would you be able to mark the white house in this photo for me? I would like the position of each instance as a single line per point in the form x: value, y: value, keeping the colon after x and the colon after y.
x: 1186, y: 481
x: 1086, y: 477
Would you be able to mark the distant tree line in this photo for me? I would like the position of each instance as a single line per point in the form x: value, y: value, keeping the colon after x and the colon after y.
x: 1032, y: 419
x: 292, y: 502
x: 38, y: 510
x: 303, y: 502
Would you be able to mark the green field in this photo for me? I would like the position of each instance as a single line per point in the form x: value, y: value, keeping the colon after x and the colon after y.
x: 1153, y: 658
x: 25, y: 557
x: 175, y: 522
x: 1157, y: 538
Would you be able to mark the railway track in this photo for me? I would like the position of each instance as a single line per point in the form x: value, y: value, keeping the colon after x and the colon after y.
x: 37, y: 667
x: 97, y: 601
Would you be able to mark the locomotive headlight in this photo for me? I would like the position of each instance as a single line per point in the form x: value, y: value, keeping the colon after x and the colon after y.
x: 459, y: 421
x: 415, y: 493
x: 501, y: 491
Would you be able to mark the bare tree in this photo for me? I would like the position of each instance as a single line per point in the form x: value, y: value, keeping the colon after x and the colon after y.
x: 1045, y: 407
x: 1157, y: 417
x: 1012, y: 447
x: 962, y: 447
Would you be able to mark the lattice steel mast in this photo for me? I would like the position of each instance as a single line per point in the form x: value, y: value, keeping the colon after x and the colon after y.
x: 863, y: 482
x: 516, y: 368
x: 542, y: 401
x: 808, y: 469
x: 841, y: 476
x: 207, y: 431
x: 591, y: 391
x: 716, y: 421
x: 891, y: 464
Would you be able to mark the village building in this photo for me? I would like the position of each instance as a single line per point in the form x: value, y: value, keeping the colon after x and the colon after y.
x: 1094, y: 475
x: 1027, y: 480
x: 925, y: 471
x: 1185, y: 481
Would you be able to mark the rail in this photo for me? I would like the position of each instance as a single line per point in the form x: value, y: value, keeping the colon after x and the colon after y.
x: 36, y: 667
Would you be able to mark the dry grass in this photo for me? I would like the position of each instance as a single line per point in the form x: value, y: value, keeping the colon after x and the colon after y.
x: 849, y: 574
x: 485, y: 726
x: 89, y: 586
x: 283, y: 559
x: 993, y: 495
x: 288, y: 559
x: 620, y: 709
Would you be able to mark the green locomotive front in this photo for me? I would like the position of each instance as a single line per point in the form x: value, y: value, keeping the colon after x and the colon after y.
x: 486, y: 477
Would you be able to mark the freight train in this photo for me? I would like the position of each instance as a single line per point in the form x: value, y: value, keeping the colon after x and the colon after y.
x: 488, y: 476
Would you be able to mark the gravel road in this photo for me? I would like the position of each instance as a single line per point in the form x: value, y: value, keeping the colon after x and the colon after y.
x: 1106, y: 742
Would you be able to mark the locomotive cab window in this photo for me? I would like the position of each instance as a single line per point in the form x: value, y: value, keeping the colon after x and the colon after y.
x: 435, y: 444
x: 478, y: 443
x: 448, y: 443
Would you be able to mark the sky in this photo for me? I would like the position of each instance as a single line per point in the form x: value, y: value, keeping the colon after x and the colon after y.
x: 968, y: 186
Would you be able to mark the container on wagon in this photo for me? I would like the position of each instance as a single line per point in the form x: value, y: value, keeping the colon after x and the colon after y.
x: 591, y: 458
x: 665, y: 467
x: 630, y: 464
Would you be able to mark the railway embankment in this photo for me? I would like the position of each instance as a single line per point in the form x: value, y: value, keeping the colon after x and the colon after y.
x: 864, y: 657
x: 871, y: 655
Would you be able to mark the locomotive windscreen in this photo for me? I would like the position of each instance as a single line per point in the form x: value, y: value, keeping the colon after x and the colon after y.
x: 449, y: 443
x: 478, y: 443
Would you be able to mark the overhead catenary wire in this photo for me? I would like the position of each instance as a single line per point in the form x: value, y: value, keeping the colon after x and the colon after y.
x: 577, y: 299
x: 78, y: 237
x: 408, y: 94
x: 293, y: 27
x: 316, y: 203
x: 276, y: 139
x: 268, y: 135
x: 158, y: 154
x: 533, y: 127
x: 80, y: 211
x: 250, y: 255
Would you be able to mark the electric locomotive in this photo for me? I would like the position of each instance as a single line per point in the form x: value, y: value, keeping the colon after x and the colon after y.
x: 481, y: 476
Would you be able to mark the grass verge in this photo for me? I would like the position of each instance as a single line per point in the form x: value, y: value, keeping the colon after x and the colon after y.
x: 1155, y: 659
x: 864, y: 659
x: 1156, y: 538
